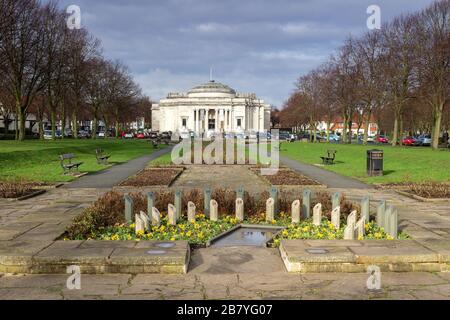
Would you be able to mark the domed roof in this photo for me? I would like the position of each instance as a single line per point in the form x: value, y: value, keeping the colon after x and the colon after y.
x: 211, y: 89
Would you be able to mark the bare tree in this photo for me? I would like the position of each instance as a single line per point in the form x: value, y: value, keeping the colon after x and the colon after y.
x: 22, y: 51
x: 434, y: 63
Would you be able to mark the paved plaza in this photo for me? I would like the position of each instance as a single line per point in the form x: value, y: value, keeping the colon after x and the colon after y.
x: 216, y: 273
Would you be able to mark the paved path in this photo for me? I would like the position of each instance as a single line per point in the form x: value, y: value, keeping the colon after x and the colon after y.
x: 110, y: 177
x: 235, y: 286
x: 328, y: 178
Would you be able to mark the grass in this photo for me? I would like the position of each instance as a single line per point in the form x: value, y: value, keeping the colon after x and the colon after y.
x: 38, y: 161
x: 401, y: 164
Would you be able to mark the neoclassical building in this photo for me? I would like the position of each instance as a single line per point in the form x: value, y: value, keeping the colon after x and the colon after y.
x: 211, y: 108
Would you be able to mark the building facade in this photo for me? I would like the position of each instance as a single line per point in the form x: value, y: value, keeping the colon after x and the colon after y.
x: 211, y: 108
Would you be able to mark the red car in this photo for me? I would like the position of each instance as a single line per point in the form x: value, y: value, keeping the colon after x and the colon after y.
x: 382, y: 139
x: 408, y: 141
x: 140, y: 136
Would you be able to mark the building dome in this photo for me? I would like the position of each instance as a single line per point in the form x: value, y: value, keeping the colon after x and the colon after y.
x: 212, y: 89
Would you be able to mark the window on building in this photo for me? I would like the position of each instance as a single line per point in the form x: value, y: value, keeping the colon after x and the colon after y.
x: 239, y: 122
x: 184, y: 122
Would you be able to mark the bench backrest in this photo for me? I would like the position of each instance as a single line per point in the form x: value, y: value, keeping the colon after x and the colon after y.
x: 331, y: 153
x: 68, y: 156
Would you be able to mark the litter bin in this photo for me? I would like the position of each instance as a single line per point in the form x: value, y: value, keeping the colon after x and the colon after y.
x: 375, y: 162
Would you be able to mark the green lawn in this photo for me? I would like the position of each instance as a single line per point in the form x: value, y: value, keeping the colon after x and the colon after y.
x: 38, y: 161
x: 401, y: 164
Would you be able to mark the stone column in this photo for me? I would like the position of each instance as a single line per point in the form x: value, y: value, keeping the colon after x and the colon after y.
x: 206, y: 119
x: 216, y: 111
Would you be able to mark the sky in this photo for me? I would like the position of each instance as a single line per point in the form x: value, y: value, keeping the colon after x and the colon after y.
x: 257, y: 46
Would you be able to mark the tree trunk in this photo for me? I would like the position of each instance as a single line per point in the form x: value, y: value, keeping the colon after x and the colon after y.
x: 21, y: 125
x: 63, y: 121
x: 74, y: 125
x: 328, y: 131
x: 436, y: 131
x: 395, y: 131
x: 366, y: 127
x: 350, y: 133
x: 116, y: 126
x: 344, y: 131
x: 53, y: 122
x: 94, y: 127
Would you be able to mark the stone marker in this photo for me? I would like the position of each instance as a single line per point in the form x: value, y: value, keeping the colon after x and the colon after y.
x: 335, y: 200
x: 349, y: 232
x: 191, y: 212
x: 336, y: 217
x: 351, y: 219
x: 146, y: 219
x: 150, y: 202
x: 270, y: 210
x: 274, y: 196
x: 296, y: 211
x: 393, y: 223
x: 214, y: 210
x: 207, y: 196
x: 172, y: 214
x: 317, y: 214
x: 139, y: 224
x: 381, y: 209
x: 360, y: 227
x: 156, y: 217
x: 129, y: 208
x: 240, y: 209
x: 306, y: 204
x: 387, y: 219
x: 178, y: 197
x: 365, y: 208
x: 240, y: 193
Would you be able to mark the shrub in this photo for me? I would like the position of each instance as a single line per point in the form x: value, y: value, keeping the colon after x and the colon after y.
x: 108, y: 210
x: 15, y: 189
x: 430, y: 189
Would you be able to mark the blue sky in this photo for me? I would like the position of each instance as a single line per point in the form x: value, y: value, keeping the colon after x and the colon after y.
x: 253, y: 45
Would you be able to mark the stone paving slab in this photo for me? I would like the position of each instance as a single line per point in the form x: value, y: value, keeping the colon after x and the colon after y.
x: 306, y: 256
x: 50, y: 257
x: 254, y: 286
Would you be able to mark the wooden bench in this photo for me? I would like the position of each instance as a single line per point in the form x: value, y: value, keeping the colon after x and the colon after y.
x: 329, y: 159
x: 67, y: 164
x: 101, y: 157
x: 155, y: 143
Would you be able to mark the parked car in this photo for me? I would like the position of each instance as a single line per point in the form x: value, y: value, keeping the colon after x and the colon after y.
x: 140, y: 135
x: 68, y: 133
x: 83, y: 134
x: 448, y: 143
x: 424, y: 140
x: 101, y: 134
x: 166, y: 135
x: 48, y: 135
x: 128, y: 135
x: 153, y: 135
x: 382, y: 139
x: 334, y: 138
x: 409, y: 141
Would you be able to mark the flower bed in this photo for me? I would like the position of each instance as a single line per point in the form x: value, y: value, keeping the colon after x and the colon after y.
x: 14, y: 190
x: 104, y: 220
x: 153, y: 177
x: 427, y: 190
x: 199, y: 232
x: 287, y: 177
